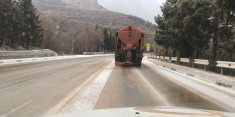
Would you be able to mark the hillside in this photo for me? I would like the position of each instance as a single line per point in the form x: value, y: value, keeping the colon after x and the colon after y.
x: 91, y: 12
x: 77, y: 4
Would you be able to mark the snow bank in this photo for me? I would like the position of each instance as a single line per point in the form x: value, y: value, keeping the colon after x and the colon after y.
x: 27, y: 54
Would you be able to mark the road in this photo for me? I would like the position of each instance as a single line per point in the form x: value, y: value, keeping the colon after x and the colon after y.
x: 61, y: 86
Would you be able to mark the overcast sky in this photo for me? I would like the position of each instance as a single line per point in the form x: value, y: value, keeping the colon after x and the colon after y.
x: 145, y: 9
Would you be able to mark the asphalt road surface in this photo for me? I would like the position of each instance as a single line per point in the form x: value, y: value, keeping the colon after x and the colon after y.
x: 61, y: 86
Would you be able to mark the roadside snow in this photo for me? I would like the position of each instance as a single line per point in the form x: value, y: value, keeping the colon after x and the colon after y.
x: 24, y: 60
x: 197, y: 73
x: 27, y: 54
x: 224, y: 96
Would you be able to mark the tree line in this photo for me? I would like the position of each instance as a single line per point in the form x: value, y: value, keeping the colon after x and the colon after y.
x: 63, y: 35
x: 20, y: 26
x: 197, y: 29
x: 109, y: 41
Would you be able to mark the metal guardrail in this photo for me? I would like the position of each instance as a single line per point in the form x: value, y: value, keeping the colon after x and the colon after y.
x: 201, y: 61
x: 185, y: 60
x: 221, y: 64
x: 92, y: 53
x: 226, y: 64
x: 173, y: 58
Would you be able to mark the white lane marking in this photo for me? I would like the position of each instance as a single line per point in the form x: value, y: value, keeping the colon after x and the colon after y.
x: 71, y: 95
x: 17, y: 108
x: 165, y: 102
x: 89, y: 98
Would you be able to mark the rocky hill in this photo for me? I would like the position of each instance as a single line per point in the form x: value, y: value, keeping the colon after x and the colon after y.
x: 89, y: 11
x: 77, y: 4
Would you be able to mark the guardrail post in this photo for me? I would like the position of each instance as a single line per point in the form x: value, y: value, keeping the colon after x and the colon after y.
x: 191, y: 61
x: 205, y: 67
x: 178, y: 61
x: 222, y: 70
x: 213, y: 64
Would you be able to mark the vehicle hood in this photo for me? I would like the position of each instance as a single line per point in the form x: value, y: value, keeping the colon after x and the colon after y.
x: 148, y: 112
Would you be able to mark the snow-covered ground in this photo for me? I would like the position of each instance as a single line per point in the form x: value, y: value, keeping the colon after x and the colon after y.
x: 23, y: 60
x: 26, y: 54
x: 225, y: 97
x: 198, y: 73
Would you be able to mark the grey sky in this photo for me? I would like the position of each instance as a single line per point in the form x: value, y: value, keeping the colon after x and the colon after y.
x: 145, y: 9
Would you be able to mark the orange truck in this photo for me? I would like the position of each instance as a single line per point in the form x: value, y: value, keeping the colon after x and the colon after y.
x: 129, y: 43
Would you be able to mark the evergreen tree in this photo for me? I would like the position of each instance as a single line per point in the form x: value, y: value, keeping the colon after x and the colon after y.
x: 32, y: 29
x: 113, y: 43
x: 106, y: 40
x: 162, y: 34
x: 170, y: 31
x: 226, y: 35
x: 6, y: 15
x: 109, y: 40
x: 221, y: 17
x: 196, y: 18
x: 18, y: 25
x: 188, y: 25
